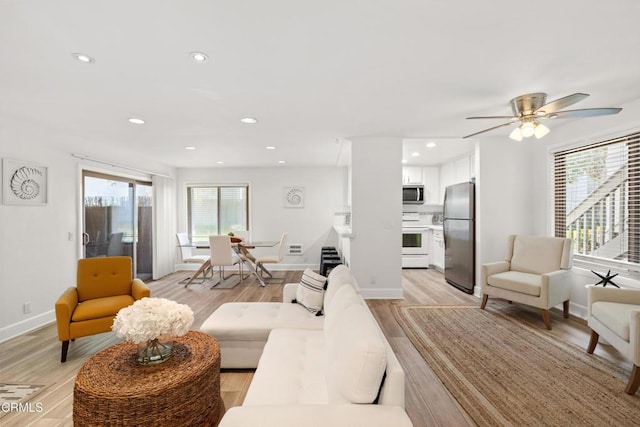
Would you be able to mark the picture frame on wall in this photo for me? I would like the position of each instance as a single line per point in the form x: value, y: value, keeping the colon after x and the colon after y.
x: 294, y: 197
x: 24, y: 183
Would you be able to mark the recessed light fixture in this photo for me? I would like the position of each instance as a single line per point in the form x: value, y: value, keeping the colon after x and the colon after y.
x: 431, y: 144
x: 270, y: 147
x: 136, y: 121
x: 249, y: 120
x: 190, y: 147
x: 199, y: 57
x: 220, y: 162
x: 282, y: 162
x: 83, y: 58
x: 404, y: 160
x: 415, y: 154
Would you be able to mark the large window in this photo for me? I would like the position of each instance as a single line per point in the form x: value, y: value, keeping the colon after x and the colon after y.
x: 216, y: 210
x: 597, y: 201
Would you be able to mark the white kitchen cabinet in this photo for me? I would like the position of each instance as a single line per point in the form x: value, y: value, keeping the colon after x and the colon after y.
x: 437, y: 251
x: 447, y: 178
x: 431, y: 177
x: 412, y: 175
x: 462, y: 170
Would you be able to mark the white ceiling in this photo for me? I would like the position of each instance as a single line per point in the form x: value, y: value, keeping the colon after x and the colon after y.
x: 313, y: 73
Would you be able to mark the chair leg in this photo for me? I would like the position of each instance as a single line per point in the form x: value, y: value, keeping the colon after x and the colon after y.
x: 483, y: 304
x: 565, y: 309
x: 65, y: 348
x: 593, y: 342
x: 634, y: 381
x: 545, y: 318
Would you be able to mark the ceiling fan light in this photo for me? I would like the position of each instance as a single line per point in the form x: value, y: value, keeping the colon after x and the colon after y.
x: 541, y: 130
x: 527, y: 129
x: 516, y: 134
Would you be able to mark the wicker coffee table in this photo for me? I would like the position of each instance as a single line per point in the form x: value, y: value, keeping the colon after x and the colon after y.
x: 111, y: 388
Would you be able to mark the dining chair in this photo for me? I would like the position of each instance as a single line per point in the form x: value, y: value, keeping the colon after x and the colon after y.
x: 223, y: 255
x: 272, y: 259
x: 186, y: 251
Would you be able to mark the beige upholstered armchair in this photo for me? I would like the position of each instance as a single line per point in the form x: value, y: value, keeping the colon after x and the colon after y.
x: 614, y: 314
x: 536, y: 272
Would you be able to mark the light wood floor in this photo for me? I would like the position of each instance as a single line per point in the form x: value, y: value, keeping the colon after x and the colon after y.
x: 35, y: 357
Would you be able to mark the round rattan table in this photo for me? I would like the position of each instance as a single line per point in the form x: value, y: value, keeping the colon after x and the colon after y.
x: 112, y: 389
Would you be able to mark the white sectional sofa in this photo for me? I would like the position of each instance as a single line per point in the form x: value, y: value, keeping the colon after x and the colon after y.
x: 330, y: 370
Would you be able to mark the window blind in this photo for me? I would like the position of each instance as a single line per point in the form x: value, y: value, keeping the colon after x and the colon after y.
x: 597, y: 198
x: 215, y: 210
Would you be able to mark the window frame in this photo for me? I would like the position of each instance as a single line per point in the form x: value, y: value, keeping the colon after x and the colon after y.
x: 218, y: 188
x: 624, y: 268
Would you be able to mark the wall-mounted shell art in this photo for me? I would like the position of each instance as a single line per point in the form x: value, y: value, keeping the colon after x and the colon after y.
x: 294, y: 197
x: 24, y: 183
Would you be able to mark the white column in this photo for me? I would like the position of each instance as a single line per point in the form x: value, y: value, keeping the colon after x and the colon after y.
x: 376, y: 216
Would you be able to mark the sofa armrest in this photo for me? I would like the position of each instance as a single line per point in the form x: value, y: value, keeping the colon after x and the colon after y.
x: 621, y: 296
x: 65, y: 305
x: 315, y: 416
x: 493, y: 268
x: 289, y: 292
x: 556, y: 287
x: 139, y: 290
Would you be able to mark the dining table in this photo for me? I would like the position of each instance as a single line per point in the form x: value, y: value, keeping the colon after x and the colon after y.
x: 241, y: 247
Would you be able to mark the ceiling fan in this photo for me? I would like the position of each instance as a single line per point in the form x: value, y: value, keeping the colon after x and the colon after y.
x: 530, y: 109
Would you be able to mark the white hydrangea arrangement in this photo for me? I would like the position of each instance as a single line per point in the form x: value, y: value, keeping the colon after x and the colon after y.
x: 150, y: 318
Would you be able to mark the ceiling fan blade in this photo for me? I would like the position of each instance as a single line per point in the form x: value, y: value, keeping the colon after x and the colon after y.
x: 493, y: 117
x: 587, y: 112
x: 561, y: 103
x: 487, y: 130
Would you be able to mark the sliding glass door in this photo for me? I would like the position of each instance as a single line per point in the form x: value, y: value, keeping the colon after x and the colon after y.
x: 118, y: 220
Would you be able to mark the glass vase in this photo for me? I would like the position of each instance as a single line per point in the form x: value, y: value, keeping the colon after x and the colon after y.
x: 154, y: 351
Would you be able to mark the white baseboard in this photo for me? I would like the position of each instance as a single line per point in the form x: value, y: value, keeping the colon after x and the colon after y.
x: 372, y: 293
x: 27, y: 325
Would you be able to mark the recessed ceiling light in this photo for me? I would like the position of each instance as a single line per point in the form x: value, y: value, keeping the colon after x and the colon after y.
x: 136, y: 121
x: 431, y: 144
x: 270, y: 147
x: 282, y: 162
x: 404, y: 160
x: 220, y: 162
x: 189, y: 147
x: 415, y: 154
x: 199, y: 57
x: 249, y: 120
x: 83, y: 58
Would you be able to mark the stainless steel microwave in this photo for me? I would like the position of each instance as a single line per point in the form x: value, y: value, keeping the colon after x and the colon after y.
x: 413, y: 194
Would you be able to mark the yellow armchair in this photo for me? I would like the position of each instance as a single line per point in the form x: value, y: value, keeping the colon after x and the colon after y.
x: 104, y: 286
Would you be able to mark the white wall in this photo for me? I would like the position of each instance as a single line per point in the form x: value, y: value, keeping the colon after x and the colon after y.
x: 310, y: 226
x: 38, y: 260
x: 504, y: 202
x: 376, y: 216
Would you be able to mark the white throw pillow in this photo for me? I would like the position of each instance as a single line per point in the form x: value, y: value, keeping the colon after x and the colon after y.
x: 310, y: 292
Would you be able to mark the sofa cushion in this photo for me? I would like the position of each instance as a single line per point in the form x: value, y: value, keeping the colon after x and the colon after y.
x: 252, y: 321
x: 291, y: 370
x: 344, y: 297
x: 356, y: 356
x: 537, y: 254
x: 339, y: 276
x: 101, y: 307
x: 524, y: 283
x: 310, y: 292
x: 614, y: 316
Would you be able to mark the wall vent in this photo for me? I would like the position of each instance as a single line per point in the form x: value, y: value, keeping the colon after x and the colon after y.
x: 295, y: 249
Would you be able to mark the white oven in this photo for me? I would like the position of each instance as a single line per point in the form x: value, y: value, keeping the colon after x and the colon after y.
x: 415, y: 241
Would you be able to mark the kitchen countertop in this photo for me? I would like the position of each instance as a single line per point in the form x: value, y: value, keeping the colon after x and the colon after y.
x: 343, y: 230
x: 437, y: 227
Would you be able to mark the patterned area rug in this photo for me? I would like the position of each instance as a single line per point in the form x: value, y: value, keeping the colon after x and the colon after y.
x: 505, y: 372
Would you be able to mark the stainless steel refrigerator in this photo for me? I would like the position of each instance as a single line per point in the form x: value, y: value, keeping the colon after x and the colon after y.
x: 459, y: 236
